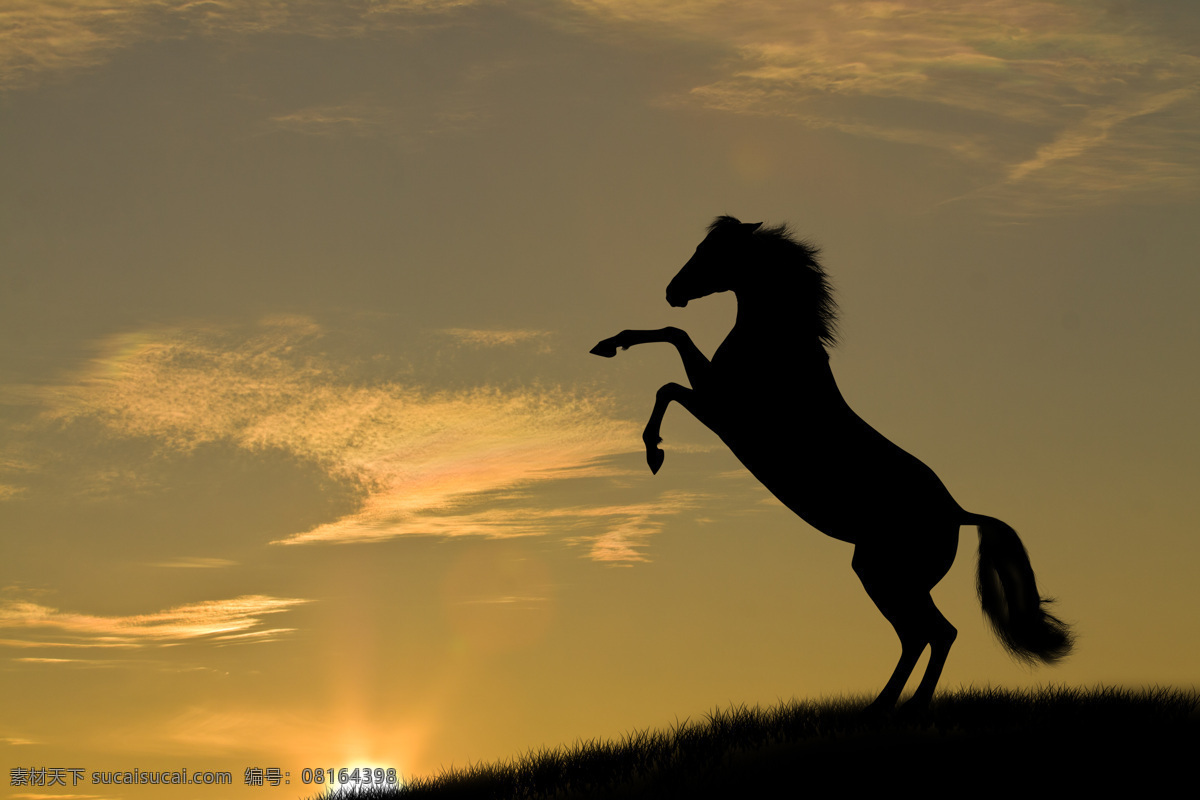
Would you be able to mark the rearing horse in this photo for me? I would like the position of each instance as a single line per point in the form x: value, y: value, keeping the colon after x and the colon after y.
x: 769, y: 393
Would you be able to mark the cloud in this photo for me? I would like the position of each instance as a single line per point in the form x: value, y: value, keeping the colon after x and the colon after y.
x: 197, y: 563
x: 629, y: 527
x: 16, y: 741
x: 482, y: 338
x: 425, y: 462
x: 47, y: 36
x: 1124, y: 147
x: 10, y: 465
x: 8, y: 492
x: 237, y: 619
x: 1064, y: 103
x: 451, y: 111
x: 615, y: 533
x: 336, y: 120
x: 1058, y: 103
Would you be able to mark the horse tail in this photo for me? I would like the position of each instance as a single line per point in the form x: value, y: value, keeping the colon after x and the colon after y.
x: 1010, y: 598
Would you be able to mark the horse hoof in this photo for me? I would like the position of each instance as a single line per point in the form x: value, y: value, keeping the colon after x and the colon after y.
x: 914, y: 709
x: 606, y: 349
x: 655, y: 459
x: 878, y: 710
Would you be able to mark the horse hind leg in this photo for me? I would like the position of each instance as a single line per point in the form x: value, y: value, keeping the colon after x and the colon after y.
x: 917, y: 623
x: 941, y: 635
x: 904, y: 600
x: 910, y: 652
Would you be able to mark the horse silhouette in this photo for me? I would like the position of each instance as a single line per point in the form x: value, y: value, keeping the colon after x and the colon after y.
x: 770, y: 395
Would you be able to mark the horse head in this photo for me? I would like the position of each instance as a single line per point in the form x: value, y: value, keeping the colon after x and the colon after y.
x: 710, y: 269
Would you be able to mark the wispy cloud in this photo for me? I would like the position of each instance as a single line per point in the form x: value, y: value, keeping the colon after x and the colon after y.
x: 213, y: 621
x: 16, y: 741
x: 46, y: 36
x: 1064, y: 103
x: 1058, y: 103
x: 493, y: 338
x: 425, y: 462
x: 11, y: 465
x: 336, y: 120
x: 629, y: 527
x: 453, y: 111
x: 7, y: 492
x: 197, y: 563
x: 616, y: 533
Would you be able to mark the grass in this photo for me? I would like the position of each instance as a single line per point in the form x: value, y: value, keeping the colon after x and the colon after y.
x: 992, y: 740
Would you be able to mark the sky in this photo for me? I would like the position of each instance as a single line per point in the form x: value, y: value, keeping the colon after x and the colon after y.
x: 304, y: 462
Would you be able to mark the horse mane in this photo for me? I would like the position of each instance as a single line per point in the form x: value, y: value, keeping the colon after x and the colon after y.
x: 781, y: 245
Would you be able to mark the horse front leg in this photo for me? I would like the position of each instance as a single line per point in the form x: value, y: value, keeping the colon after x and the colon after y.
x: 652, y: 435
x: 695, y: 363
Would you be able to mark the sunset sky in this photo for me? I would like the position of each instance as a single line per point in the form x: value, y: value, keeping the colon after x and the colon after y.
x: 303, y: 458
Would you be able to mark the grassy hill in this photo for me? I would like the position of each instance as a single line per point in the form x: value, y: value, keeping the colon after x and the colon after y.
x: 987, y: 742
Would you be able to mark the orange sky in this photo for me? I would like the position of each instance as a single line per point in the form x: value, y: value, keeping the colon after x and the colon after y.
x: 304, y: 463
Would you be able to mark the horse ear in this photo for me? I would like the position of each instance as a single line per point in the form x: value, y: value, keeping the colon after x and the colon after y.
x: 751, y: 227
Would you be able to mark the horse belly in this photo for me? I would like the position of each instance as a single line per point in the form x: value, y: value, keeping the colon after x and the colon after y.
x: 849, y: 492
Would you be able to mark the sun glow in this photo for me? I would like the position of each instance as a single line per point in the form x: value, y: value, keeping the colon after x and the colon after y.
x: 365, y: 762
x: 362, y: 773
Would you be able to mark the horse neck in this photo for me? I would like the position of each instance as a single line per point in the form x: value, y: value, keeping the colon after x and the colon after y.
x: 770, y: 333
x: 771, y: 320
